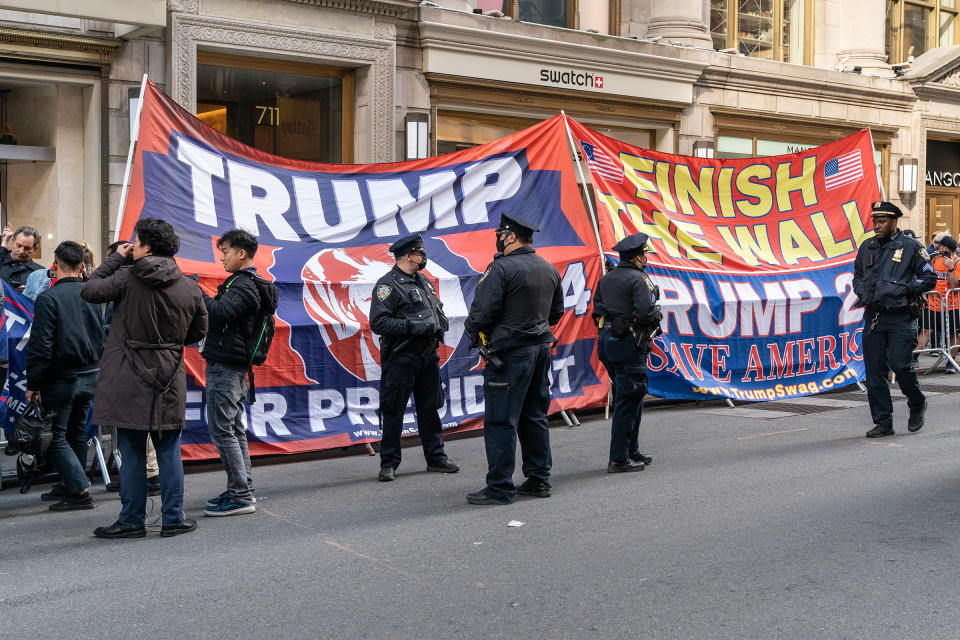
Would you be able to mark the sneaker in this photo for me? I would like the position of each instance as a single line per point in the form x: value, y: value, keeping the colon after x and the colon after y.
x: 153, y: 486
x: 74, y: 503
x: 229, y: 508
x: 57, y: 493
x: 534, y: 488
x: 636, y: 456
x: 445, y: 466
x: 226, y: 496
x: 626, y: 466
x: 113, y: 487
x: 170, y: 530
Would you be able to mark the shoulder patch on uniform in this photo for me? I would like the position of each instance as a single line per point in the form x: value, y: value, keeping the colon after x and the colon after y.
x: 486, y: 273
x: 924, y: 254
x: 383, y: 292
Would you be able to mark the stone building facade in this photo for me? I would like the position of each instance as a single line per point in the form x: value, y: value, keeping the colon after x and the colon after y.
x: 347, y: 81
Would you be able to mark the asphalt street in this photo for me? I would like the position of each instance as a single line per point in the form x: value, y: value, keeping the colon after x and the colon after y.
x: 782, y: 522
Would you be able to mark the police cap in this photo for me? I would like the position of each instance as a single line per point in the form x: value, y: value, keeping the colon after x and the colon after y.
x: 632, y: 245
x: 407, y: 244
x: 882, y: 208
x: 516, y: 223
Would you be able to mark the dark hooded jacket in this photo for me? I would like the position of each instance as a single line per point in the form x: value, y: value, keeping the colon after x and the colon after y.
x: 157, y: 311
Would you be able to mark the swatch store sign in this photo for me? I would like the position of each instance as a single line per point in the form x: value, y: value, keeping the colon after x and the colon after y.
x: 571, y: 78
x: 943, y: 164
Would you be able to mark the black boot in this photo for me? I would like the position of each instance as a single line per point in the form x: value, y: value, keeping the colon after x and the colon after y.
x: 915, y: 423
x: 880, y: 431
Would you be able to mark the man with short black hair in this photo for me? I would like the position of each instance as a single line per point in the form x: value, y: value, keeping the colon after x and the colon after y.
x: 234, y: 315
x: 16, y: 252
x: 143, y: 383
x: 63, y: 361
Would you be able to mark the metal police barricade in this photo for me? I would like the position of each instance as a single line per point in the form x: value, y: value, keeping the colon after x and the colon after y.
x: 951, y: 328
x: 933, y: 327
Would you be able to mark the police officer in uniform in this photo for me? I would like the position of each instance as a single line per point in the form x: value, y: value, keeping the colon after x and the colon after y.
x: 627, y: 314
x: 890, y: 274
x: 407, y: 314
x: 516, y: 302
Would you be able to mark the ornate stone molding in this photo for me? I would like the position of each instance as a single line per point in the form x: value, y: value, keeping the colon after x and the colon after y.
x: 188, y: 32
x: 184, y: 6
x: 55, y: 45
x: 405, y: 9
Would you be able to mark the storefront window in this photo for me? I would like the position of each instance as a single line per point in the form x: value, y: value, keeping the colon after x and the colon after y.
x: 733, y: 147
x: 289, y: 109
x: 915, y: 26
x: 771, y: 29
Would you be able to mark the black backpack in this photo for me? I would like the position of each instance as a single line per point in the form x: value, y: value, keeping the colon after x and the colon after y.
x: 258, y: 344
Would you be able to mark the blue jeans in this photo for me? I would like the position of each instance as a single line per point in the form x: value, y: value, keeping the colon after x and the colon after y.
x: 627, y: 366
x: 226, y: 390
x: 133, y: 475
x: 69, y: 398
x: 516, y: 399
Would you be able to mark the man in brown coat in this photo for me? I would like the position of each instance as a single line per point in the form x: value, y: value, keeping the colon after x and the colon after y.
x: 142, y: 387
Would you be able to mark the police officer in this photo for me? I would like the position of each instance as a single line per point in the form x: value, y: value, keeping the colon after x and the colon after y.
x: 516, y: 302
x: 626, y: 311
x: 890, y: 274
x: 406, y: 312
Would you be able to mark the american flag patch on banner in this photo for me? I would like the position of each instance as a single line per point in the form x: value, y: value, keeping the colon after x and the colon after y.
x: 602, y: 164
x: 843, y: 170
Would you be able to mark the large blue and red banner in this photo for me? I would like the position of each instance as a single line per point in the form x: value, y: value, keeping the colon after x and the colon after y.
x: 754, y: 260
x: 324, y: 231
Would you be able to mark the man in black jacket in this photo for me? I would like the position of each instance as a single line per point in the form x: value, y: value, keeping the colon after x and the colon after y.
x: 15, y: 253
x: 234, y: 314
x: 63, y: 361
x: 516, y: 302
x: 627, y: 315
x: 406, y: 312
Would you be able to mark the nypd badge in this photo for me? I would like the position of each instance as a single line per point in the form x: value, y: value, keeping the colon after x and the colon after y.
x: 383, y: 292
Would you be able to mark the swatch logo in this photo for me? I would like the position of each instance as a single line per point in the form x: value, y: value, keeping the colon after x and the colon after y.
x: 571, y: 78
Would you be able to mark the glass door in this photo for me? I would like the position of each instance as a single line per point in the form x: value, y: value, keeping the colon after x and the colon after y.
x: 943, y: 214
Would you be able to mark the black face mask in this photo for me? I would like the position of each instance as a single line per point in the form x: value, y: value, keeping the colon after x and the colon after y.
x: 501, y: 246
x: 423, y: 262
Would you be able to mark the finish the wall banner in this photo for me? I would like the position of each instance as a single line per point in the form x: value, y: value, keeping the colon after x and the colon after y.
x: 324, y: 231
x: 754, y: 260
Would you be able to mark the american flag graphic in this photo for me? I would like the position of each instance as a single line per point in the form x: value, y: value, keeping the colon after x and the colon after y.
x: 843, y: 170
x: 602, y: 164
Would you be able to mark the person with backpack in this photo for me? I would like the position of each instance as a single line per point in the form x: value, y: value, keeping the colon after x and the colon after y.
x: 241, y: 326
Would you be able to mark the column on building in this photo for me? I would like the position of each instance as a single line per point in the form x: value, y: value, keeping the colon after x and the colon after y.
x: 862, y: 32
x: 683, y: 21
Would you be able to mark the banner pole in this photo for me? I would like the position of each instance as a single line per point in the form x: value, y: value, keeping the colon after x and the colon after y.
x: 873, y: 149
x: 129, y: 168
x: 586, y: 196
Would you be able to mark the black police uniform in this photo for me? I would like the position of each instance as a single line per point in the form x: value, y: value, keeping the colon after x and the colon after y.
x: 626, y: 311
x: 888, y: 276
x: 517, y: 300
x: 406, y: 312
